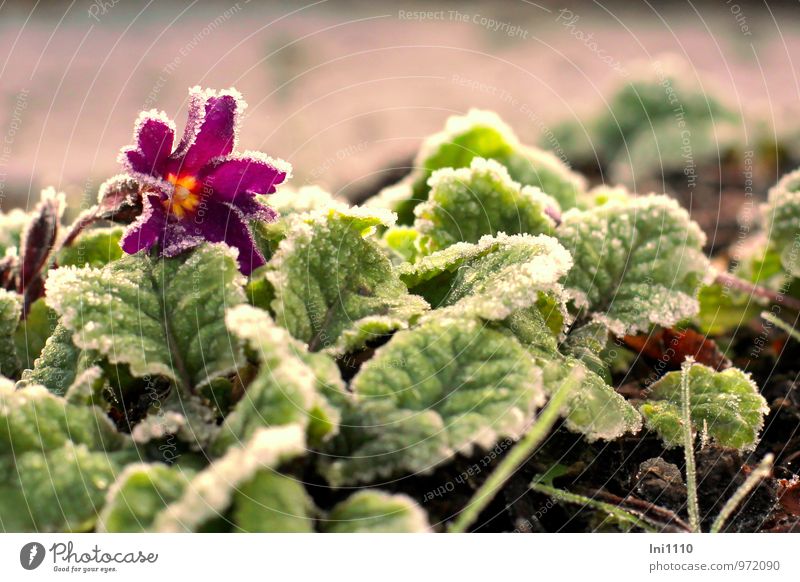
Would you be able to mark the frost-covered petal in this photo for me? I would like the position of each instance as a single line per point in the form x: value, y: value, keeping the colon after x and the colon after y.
x: 153, y: 135
x: 250, y: 208
x: 210, y: 130
x: 219, y: 222
x: 248, y: 172
x: 147, y: 229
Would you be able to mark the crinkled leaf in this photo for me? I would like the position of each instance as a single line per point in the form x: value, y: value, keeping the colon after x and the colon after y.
x: 210, y: 493
x: 467, y: 203
x: 493, y: 278
x: 58, y: 491
x: 373, y: 511
x: 33, y: 419
x: 159, y: 316
x: 587, y: 344
x: 334, y: 286
x: 184, y: 418
x: 783, y: 217
x: 726, y: 405
x: 273, y: 503
x: 480, y: 134
x: 93, y: 248
x: 290, y: 387
x: 10, y: 311
x: 12, y: 225
x: 59, y: 363
x: 636, y: 264
x: 432, y: 392
x: 139, y: 494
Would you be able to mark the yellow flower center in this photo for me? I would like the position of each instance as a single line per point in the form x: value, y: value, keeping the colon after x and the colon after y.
x: 186, y: 196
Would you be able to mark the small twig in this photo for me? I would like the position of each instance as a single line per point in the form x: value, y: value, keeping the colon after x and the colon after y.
x: 517, y: 455
x: 778, y: 322
x: 762, y: 470
x: 733, y: 282
x: 670, y: 520
x: 688, y: 447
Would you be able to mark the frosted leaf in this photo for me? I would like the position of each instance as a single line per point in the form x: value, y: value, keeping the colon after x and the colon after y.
x: 12, y: 224
x: 493, y: 278
x: 782, y: 212
x: 10, y: 311
x: 273, y: 503
x: 32, y: 333
x: 468, y: 203
x: 334, y: 287
x: 159, y: 316
x: 139, y: 493
x: 636, y: 264
x: 87, y: 388
x: 480, y: 134
x: 727, y: 406
x: 373, y: 511
x: 94, y: 248
x: 60, y: 362
x: 33, y: 419
x: 210, y: 493
x: 432, y: 392
x: 56, y: 491
x: 187, y: 419
x: 290, y: 387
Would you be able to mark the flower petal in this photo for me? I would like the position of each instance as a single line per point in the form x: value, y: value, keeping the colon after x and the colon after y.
x: 218, y: 222
x: 248, y: 172
x: 147, y: 229
x: 210, y: 130
x: 153, y: 134
x: 251, y: 209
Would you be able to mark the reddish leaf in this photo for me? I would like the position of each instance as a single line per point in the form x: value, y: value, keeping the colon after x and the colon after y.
x: 672, y: 347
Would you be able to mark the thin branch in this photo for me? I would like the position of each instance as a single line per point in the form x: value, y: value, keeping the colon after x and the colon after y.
x: 778, y: 322
x: 733, y: 282
x: 762, y: 470
x: 688, y: 447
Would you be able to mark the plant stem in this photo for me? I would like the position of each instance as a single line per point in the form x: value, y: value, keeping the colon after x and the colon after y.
x: 778, y: 322
x: 517, y: 455
x: 760, y: 472
x: 733, y: 282
x: 688, y: 448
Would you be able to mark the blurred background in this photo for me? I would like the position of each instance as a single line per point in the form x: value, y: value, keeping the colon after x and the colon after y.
x: 698, y: 99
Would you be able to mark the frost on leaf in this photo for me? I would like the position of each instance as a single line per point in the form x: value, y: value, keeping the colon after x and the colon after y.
x: 334, y: 286
x: 33, y: 419
x: 373, y: 511
x: 290, y: 387
x: 433, y: 392
x: 725, y: 405
x: 467, y: 203
x: 211, y: 492
x: 493, y: 278
x: 54, y: 491
x: 480, y: 134
x: 273, y: 503
x: 60, y: 362
x: 783, y: 220
x: 10, y: 311
x: 636, y: 264
x: 159, y: 316
x: 139, y: 493
x: 185, y: 418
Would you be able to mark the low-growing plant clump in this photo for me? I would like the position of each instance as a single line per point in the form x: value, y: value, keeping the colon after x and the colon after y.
x: 489, y: 344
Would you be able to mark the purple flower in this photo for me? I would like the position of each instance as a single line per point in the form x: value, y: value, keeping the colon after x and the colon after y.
x: 201, y: 190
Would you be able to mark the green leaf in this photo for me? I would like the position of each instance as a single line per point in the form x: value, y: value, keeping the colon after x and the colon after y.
x: 33, y: 331
x: 59, y: 363
x: 783, y: 217
x: 433, y: 392
x: 493, y: 278
x: 290, y: 386
x: 10, y: 311
x: 636, y: 264
x: 140, y: 492
x: 11, y: 226
x: 33, y: 419
x: 58, y: 491
x: 211, y: 492
x: 273, y: 503
x: 468, y: 203
x: 373, y: 511
x: 159, y: 316
x: 480, y: 134
x: 724, y: 309
x: 92, y: 248
x: 726, y: 405
x: 183, y: 417
x: 335, y: 289
x: 587, y: 344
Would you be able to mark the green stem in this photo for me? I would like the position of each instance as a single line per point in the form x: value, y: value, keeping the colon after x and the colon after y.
x: 778, y: 322
x: 760, y: 472
x: 517, y: 455
x: 688, y: 448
